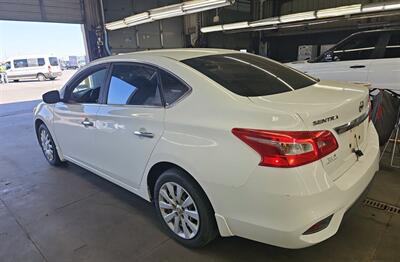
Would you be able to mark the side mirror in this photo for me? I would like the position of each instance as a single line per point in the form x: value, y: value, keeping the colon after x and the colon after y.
x: 51, y: 97
x: 328, y: 56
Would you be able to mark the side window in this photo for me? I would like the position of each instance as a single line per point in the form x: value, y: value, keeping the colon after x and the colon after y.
x: 53, y: 61
x: 356, y: 48
x: 32, y: 62
x: 393, y: 47
x: 20, y: 63
x: 41, y: 62
x: 88, y: 90
x: 173, y: 89
x: 133, y: 85
x: 8, y: 65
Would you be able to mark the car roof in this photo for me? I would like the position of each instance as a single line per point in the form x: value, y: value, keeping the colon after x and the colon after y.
x: 175, y: 54
x: 379, y: 30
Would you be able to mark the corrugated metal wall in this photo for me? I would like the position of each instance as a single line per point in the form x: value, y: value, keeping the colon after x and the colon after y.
x: 60, y: 11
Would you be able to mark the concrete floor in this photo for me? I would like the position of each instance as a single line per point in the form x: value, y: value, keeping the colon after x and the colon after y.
x: 69, y: 214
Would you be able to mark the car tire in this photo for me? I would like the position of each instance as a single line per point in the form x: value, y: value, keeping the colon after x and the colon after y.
x: 52, y: 78
x: 187, y: 216
x: 41, y: 77
x: 48, y: 146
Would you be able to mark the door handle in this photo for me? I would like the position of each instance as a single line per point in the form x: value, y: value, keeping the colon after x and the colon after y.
x: 144, y: 134
x: 87, y: 123
x: 357, y: 66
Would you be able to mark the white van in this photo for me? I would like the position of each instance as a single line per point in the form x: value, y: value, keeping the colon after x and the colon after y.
x: 371, y: 57
x: 31, y: 67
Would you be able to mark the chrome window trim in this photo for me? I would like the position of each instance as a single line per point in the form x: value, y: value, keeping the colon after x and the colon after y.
x: 350, y: 125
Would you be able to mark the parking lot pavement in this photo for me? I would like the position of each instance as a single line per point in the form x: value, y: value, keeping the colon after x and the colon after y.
x: 28, y: 90
x: 70, y: 214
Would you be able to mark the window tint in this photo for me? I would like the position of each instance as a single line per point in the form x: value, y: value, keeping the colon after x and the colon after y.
x: 133, y: 85
x: 20, y: 63
x: 8, y: 65
x: 173, y: 89
x: 357, y: 47
x: 393, y: 47
x: 88, y: 90
x: 250, y: 75
x: 53, y: 61
x: 41, y: 62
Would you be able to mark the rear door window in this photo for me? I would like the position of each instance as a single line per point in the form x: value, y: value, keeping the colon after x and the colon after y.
x: 358, y: 47
x: 250, y: 75
x: 393, y: 47
x: 133, y: 84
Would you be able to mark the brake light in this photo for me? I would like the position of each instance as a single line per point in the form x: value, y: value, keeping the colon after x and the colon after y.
x: 288, y: 148
x: 49, y: 68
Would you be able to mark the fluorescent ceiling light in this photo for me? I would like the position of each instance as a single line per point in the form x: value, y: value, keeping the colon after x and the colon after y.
x: 116, y: 25
x: 166, y: 12
x: 214, y: 28
x: 339, y: 11
x: 392, y: 6
x: 372, y: 8
x: 134, y: 19
x: 298, y: 17
x: 265, y: 22
x: 189, y: 5
x: 234, y: 26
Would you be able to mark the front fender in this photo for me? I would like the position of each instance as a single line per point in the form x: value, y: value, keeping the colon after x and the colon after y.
x: 44, y: 112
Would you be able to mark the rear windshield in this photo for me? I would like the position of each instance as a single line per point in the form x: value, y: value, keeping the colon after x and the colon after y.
x: 250, y: 75
x: 53, y: 61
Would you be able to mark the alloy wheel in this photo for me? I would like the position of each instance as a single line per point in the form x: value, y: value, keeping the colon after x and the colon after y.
x: 179, y: 210
x: 47, y: 145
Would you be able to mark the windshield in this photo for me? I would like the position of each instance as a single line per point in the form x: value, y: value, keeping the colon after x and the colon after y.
x: 250, y: 75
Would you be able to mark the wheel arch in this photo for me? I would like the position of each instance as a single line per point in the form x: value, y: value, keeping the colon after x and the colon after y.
x: 38, y: 122
x: 157, y: 169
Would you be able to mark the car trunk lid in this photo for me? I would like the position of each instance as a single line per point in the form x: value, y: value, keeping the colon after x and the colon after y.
x: 340, y: 108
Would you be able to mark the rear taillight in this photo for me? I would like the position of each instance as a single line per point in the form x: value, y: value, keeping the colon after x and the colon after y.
x: 288, y: 148
x: 49, y: 68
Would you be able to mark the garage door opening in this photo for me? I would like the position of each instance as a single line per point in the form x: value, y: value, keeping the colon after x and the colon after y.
x: 37, y: 57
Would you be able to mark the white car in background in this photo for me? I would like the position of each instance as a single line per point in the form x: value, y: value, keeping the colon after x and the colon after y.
x: 370, y: 57
x: 222, y: 142
x: 40, y: 67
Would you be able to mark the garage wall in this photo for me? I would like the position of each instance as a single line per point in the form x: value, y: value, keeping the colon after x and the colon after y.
x: 60, y: 11
x: 167, y: 33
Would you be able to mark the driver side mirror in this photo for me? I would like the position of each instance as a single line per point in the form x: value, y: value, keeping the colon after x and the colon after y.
x: 51, y: 97
x: 328, y: 56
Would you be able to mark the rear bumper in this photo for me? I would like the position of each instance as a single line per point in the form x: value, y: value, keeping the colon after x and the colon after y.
x: 272, y: 209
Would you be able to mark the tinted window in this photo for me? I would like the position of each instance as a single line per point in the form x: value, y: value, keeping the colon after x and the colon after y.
x: 88, y: 90
x: 357, y: 47
x: 53, y: 61
x: 393, y: 47
x: 41, y: 61
x: 20, y: 63
x: 134, y: 85
x: 173, y: 89
x: 249, y: 75
x: 8, y: 65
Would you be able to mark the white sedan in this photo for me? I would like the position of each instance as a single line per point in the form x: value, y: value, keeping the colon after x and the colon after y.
x: 222, y: 142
